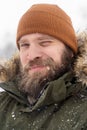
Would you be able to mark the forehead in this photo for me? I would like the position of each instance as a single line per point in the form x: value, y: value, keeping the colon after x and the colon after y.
x: 36, y: 36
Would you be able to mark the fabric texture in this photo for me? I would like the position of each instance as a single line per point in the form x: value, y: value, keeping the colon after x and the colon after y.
x: 56, y: 109
x: 48, y: 19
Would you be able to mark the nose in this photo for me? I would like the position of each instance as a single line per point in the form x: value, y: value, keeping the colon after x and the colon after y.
x: 34, y: 52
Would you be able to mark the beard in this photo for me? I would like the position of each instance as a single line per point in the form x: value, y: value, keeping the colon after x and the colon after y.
x: 32, y: 85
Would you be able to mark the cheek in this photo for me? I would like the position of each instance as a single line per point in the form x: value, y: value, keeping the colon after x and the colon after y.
x: 23, y: 58
x: 54, y: 54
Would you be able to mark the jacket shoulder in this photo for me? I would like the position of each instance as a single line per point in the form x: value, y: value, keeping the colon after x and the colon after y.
x: 6, y: 102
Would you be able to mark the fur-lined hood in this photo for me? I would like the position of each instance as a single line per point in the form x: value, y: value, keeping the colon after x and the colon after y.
x: 10, y: 68
x: 80, y: 64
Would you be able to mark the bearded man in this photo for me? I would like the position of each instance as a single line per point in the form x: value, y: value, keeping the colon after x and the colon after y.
x: 45, y: 85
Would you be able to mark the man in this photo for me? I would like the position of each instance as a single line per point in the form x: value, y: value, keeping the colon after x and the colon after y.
x: 44, y: 89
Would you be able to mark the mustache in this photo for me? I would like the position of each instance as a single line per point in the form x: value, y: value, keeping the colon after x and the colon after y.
x: 38, y: 62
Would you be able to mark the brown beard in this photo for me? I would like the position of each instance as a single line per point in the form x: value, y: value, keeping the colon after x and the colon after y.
x: 33, y: 86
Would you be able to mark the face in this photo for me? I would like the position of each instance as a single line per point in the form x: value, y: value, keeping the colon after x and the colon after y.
x: 39, y: 46
x: 42, y: 58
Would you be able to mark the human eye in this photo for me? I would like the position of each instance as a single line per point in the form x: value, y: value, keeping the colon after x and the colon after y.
x: 24, y: 45
x: 45, y: 43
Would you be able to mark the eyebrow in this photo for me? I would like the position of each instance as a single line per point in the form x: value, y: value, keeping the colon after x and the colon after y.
x: 21, y: 41
x: 44, y: 37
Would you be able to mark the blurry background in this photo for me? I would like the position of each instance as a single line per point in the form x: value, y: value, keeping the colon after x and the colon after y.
x: 12, y: 10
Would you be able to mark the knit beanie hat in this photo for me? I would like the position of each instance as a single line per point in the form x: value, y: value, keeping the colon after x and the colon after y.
x: 48, y: 19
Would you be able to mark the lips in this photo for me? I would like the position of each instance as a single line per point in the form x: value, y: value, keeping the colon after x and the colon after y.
x: 36, y: 68
x: 43, y: 69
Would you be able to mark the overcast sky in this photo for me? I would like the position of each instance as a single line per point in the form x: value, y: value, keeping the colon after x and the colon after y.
x: 11, y: 11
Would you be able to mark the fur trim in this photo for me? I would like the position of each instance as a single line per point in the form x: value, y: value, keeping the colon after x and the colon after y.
x: 80, y: 66
x: 10, y: 68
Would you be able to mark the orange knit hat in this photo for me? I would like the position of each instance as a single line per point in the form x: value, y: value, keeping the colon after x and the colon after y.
x: 48, y: 19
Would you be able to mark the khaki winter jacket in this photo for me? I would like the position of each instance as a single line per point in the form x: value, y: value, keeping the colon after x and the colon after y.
x: 62, y: 105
